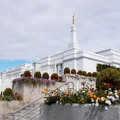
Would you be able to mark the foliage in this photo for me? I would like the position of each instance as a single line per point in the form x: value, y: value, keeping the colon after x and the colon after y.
x: 54, y: 76
x: 66, y: 70
x: 110, y: 76
x: 8, y: 92
x: 37, y: 74
x: 45, y: 75
x: 82, y: 96
x: 101, y: 67
x: 27, y: 73
x: 79, y: 72
x: 94, y: 74
x: 60, y: 79
x: 73, y: 71
x: 11, y: 97
x: 89, y: 74
x: 83, y: 73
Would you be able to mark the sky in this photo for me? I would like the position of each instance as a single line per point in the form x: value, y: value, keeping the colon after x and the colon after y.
x: 32, y: 29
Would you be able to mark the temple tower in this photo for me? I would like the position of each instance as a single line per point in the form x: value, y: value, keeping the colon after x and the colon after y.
x: 73, y: 43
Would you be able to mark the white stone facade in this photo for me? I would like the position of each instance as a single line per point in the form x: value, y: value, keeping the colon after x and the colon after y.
x: 75, y: 58
x: 8, y: 75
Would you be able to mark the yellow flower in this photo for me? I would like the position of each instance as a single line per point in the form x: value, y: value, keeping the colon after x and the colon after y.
x: 46, y: 92
x: 57, y: 88
x: 70, y: 92
x: 98, y: 98
x: 75, y: 90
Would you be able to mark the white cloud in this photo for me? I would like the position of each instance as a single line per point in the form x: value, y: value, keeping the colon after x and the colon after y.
x: 31, y: 29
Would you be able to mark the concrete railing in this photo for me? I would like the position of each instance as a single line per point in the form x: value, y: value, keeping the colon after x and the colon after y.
x: 78, y: 112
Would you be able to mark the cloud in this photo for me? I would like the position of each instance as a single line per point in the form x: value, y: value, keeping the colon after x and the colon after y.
x: 31, y: 29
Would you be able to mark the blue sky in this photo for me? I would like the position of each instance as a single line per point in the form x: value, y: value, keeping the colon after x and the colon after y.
x: 5, y: 64
x: 32, y: 29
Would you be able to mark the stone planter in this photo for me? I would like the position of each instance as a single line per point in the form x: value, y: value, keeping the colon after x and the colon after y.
x: 10, y: 106
x: 78, y: 112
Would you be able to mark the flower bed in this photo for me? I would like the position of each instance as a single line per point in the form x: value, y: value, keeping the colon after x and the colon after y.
x: 34, y: 81
x: 86, y: 95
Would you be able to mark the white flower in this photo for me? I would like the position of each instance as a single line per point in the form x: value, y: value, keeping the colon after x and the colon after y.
x: 108, y: 97
x: 106, y: 108
x: 116, y: 91
x: 116, y: 95
x: 110, y: 92
x: 109, y: 88
x: 96, y: 104
x: 83, y: 91
x: 113, y: 99
x: 108, y: 102
x: 102, y: 99
x: 96, y: 101
x: 93, y: 104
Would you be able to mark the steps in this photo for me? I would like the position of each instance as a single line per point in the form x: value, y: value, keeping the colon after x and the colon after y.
x: 29, y: 115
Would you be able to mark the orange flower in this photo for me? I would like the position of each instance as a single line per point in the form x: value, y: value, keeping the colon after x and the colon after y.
x: 104, y: 83
x: 61, y: 96
x: 94, y: 96
x: 54, y: 93
x: 104, y: 98
x: 46, y: 92
x: 92, y: 99
x: 65, y: 93
x: 75, y: 90
x: 105, y: 92
x: 98, y: 98
x: 84, y: 89
x: 78, y: 98
x: 57, y: 88
x: 70, y: 92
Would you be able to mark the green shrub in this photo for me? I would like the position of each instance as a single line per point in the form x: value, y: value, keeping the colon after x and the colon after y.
x: 110, y: 76
x: 89, y: 74
x: 101, y: 67
x: 45, y: 75
x: 66, y: 70
x: 27, y: 73
x: 8, y: 92
x: 79, y: 72
x: 54, y: 76
x: 94, y: 74
x: 84, y: 73
x: 73, y: 71
x: 37, y: 74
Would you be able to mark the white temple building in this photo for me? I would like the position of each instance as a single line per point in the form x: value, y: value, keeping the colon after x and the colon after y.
x: 73, y: 57
x: 8, y: 75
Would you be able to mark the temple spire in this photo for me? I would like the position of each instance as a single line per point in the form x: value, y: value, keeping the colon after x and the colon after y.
x: 73, y: 43
x: 73, y: 19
